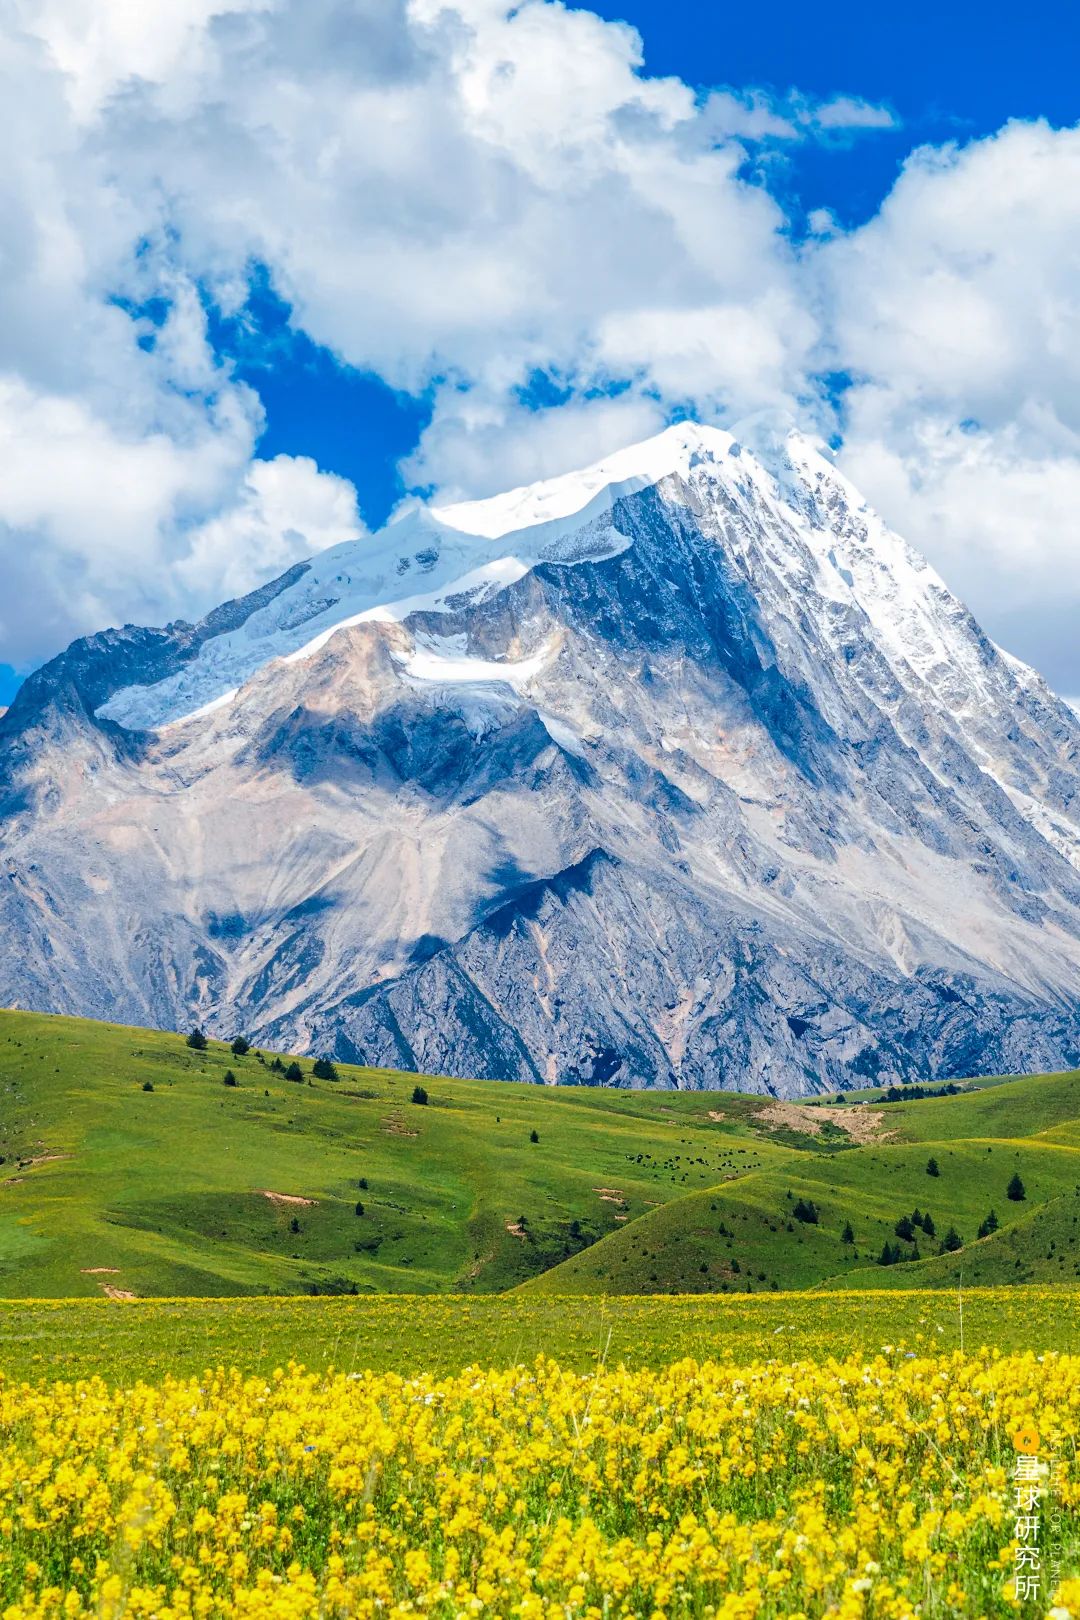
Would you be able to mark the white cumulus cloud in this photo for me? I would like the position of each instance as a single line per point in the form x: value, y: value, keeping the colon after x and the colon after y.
x: 497, y: 205
x: 850, y: 112
x: 956, y: 311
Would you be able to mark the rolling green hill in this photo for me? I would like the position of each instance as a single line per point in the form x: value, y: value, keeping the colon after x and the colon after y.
x: 129, y: 1167
x: 747, y: 1235
x: 268, y: 1186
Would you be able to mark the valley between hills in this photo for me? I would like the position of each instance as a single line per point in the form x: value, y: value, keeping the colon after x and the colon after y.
x: 133, y: 1167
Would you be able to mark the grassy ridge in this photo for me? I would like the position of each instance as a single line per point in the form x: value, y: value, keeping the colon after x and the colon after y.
x: 744, y: 1235
x: 130, y: 1168
x: 107, y: 1185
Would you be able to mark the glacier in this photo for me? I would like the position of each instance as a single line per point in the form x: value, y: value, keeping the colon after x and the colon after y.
x: 683, y: 770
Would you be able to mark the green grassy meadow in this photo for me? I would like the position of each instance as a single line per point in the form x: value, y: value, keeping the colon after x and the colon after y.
x: 107, y: 1185
x: 439, y: 1335
x: 129, y: 1168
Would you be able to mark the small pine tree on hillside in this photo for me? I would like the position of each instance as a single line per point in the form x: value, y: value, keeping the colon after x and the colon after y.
x: 197, y: 1040
x: 240, y: 1047
x: 277, y: 1067
x: 905, y: 1228
x: 951, y: 1242
x: 847, y: 1235
x: 294, y: 1071
x: 228, y: 1078
x: 420, y: 1096
x: 932, y: 1167
x: 989, y: 1225
x: 148, y: 1085
x: 323, y: 1069
x: 1016, y: 1190
x: 804, y: 1209
x: 928, y: 1225
x: 359, y: 1207
x: 534, y: 1136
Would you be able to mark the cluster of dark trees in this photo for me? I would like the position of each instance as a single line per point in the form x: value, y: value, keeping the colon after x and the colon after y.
x: 917, y: 1093
x: 892, y: 1254
x: 240, y: 1046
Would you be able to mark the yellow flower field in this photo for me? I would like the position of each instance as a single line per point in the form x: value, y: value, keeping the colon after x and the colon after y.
x: 879, y: 1486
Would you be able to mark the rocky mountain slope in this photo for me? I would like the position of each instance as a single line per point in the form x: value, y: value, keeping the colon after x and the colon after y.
x: 681, y: 771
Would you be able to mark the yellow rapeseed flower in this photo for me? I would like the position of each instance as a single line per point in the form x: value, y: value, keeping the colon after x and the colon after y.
x: 880, y: 1486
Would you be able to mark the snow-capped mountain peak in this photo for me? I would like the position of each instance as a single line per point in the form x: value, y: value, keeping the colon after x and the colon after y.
x: 431, y: 555
x: 416, y: 563
x: 679, y: 770
x: 570, y: 495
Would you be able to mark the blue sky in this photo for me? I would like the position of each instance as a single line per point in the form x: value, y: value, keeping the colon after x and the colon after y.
x: 950, y: 73
x: 252, y: 369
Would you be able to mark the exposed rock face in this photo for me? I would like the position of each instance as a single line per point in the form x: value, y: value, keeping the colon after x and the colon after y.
x: 683, y: 771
